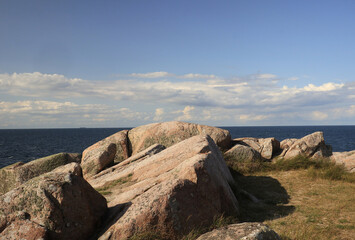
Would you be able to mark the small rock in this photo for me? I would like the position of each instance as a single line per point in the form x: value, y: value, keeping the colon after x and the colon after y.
x: 242, y: 231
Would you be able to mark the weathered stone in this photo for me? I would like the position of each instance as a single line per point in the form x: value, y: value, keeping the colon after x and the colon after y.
x: 347, y: 159
x: 73, y: 168
x: 308, y: 146
x: 323, y: 151
x: 65, y: 204
x: 150, y: 151
x: 18, y: 173
x: 183, y: 187
x: 267, y: 147
x: 270, y: 146
x: 286, y: 144
x: 243, y: 231
x: 242, y: 153
x: 170, y: 133
x: 24, y: 229
x: 104, y: 153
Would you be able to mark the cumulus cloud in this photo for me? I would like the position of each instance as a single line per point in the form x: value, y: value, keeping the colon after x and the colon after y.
x: 323, y: 88
x: 167, y: 74
x: 187, y: 114
x: 159, y: 112
x: 254, y: 98
x: 62, y: 114
x: 196, y: 75
x: 317, y: 115
x: 151, y: 75
x: 38, y: 85
x: 266, y: 76
x: 252, y: 117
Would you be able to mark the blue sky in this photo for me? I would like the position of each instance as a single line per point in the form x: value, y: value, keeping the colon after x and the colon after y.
x: 127, y: 63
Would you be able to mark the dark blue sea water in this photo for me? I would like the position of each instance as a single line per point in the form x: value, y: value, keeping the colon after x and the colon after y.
x: 29, y: 144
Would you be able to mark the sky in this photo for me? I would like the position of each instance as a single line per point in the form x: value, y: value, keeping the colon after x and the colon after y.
x: 221, y: 63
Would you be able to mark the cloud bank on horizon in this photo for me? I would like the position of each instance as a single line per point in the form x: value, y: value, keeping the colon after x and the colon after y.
x: 54, y: 100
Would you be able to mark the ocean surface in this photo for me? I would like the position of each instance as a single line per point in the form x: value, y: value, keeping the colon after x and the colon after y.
x: 29, y: 144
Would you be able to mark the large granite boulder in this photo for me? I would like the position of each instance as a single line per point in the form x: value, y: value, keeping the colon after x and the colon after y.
x: 14, y: 175
x: 56, y: 205
x: 73, y: 168
x: 347, y: 159
x: 105, y: 153
x: 243, y: 231
x: 146, y: 153
x: 180, y: 188
x: 242, y: 153
x: 286, y: 144
x: 24, y: 229
x: 243, y: 159
x: 309, y: 146
x: 267, y: 147
x: 170, y: 133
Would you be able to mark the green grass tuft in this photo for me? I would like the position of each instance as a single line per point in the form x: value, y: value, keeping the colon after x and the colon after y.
x: 104, y: 190
x: 317, y: 168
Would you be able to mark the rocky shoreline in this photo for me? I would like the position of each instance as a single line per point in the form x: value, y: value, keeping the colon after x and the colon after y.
x: 169, y: 178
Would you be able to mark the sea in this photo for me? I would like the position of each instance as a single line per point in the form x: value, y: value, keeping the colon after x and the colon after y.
x: 28, y: 144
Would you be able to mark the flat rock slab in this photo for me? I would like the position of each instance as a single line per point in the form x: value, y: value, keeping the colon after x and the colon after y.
x: 180, y: 188
x: 242, y: 231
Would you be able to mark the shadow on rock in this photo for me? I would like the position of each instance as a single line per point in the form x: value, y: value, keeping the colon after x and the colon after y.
x: 271, y: 198
x: 112, y: 215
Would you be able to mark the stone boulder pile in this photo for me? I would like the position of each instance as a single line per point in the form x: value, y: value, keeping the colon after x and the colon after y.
x: 312, y: 145
x: 168, y: 178
x: 125, y: 143
x: 175, y: 190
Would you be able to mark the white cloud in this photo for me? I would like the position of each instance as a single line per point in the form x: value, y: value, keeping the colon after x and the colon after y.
x: 38, y: 85
x: 62, y: 114
x: 255, y: 98
x: 196, y: 75
x: 167, y: 74
x: 159, y: 112
x: 293, y: 78
x: 252, y: 117
x: 324, y: 88
x: 151, y: 75
x: 186, y: 114
x: 266, y: 76
x: 319, y: 116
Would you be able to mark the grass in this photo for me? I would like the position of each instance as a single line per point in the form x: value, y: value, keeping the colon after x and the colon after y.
x: 322, y: 208
x: 317, y: 168
x: 105, y: 189
x: 218, y: 221
x: 299, y: 198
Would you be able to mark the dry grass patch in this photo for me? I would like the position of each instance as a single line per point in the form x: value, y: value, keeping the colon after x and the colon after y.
x: 323, y: 209
x: 107, y: 188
